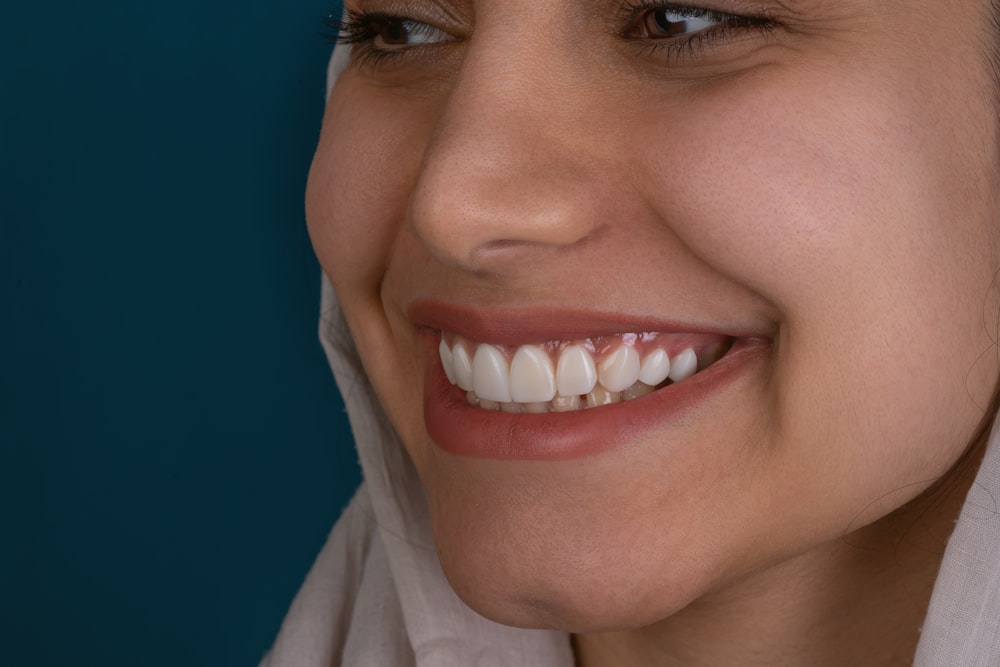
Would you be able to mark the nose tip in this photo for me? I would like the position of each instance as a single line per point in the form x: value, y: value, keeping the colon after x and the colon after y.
x: 489, y: 207
x: 505, y: 176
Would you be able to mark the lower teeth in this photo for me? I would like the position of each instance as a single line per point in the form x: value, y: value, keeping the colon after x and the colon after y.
x: 597, y: 397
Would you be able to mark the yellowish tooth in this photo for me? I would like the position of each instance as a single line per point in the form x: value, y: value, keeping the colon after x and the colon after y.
x: 471, y: 397
x: 566, y: 403
x: 601, y: 396
x: 513, y: 408
x: 488, y: 405
x: 538, y: 407
x: 712, y: 354
x: 637, y: 390
x: 575, y: 373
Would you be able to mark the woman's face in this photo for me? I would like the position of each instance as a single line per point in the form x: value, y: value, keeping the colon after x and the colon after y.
x: 812, y: 185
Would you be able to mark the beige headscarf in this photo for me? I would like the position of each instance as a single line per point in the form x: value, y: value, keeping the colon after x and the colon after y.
x: 377, y: 597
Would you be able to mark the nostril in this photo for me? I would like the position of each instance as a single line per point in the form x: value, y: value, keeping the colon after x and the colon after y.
x: 483, y: 219
x: 509, y: 249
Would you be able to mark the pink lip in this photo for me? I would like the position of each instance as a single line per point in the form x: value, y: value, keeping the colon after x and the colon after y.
x: 460, y: 428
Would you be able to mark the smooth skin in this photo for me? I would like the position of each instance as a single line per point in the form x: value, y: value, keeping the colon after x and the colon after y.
x: 829, y: 182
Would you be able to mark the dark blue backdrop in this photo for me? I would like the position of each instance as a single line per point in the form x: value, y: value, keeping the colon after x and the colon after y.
x: 172, y: 447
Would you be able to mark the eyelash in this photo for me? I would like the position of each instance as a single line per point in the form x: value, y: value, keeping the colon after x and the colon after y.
x: 357, y: 28
x: 676, y: 50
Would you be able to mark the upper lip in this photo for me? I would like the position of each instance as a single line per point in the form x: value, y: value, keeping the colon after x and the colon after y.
x: 524, y: 325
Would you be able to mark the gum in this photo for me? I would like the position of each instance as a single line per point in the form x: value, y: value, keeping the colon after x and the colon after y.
x: 602, y: 346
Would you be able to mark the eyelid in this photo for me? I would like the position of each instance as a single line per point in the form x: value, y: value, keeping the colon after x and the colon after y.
x: 437, y: 13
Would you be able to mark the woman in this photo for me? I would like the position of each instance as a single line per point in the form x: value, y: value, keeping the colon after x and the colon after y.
x: 676, y: 329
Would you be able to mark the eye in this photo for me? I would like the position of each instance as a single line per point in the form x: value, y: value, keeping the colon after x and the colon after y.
x: 671, y: 23
x: 395, y: 33
x: 383, y: 33
x: 682, y: 36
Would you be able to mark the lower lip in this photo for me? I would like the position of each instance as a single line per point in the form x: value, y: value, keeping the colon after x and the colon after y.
x: 460, y: 428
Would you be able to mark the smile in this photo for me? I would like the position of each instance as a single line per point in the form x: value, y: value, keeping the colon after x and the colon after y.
x: 564, y: 376
x: 578, y: 392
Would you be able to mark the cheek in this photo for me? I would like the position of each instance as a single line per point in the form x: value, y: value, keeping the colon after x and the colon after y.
x: 873, y: 235
x: 356, y: 201
x: 805, y: 194
x: 363, y: 171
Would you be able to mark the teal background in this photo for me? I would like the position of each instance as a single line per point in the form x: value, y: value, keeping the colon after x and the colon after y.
x: 172, y: 447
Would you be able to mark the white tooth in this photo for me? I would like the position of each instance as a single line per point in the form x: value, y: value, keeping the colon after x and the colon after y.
x: 513, y: 408
x: 655, y: 367
x: 462, y: 367
x: 575, y: 372
x: 447, y: 361
x: 490, y: 374
x: 637, y: 390
x: 566, y: 403
x: 488, y: 405
x: 532, y: 378
x: 537, y: 408
x: 683, y: 365
x: 620, y: 369
x: 601, y: 396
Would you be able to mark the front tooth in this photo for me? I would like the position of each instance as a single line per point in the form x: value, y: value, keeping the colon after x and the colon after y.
x: 462, y: 367
x: 490, y: 374
x: 683, y: 365
x: 447, y: 361
x: 620, y: 369
x: 655, y: 368
x: 575, y: 373
x: 532, y: 379
x: 601, y: 396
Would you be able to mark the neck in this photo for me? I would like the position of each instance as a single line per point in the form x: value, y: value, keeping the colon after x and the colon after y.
x: 857, y: 600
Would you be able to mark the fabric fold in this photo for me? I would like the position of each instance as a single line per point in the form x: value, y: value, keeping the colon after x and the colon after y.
x: 963, y: 621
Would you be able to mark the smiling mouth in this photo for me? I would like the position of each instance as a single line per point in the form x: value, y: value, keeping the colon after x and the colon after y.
x: 570, y: 375
x: 558, y: 384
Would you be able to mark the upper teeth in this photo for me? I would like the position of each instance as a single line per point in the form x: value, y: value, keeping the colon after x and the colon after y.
x: 570, y: 375
x: 576, y: 373
x: 532, y: 379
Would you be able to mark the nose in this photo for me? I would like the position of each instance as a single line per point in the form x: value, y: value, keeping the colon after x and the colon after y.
x: 510, y: 172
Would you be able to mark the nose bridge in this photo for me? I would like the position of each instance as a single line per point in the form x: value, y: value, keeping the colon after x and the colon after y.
x: 507, y: 170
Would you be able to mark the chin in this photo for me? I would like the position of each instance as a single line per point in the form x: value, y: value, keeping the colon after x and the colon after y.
x: 540, y: 556
x: 587, y: 599
x: 533, y: 595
